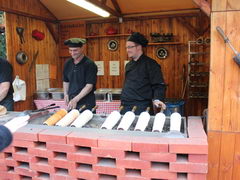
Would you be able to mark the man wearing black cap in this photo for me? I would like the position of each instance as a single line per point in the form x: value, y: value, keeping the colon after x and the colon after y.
x: 144, y: 84
x: 79, y: 76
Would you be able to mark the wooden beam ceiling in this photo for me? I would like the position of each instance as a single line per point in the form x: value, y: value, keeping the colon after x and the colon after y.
x: 105, y: 7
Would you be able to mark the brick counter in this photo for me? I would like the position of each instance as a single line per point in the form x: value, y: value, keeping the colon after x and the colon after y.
x: 43, y: 152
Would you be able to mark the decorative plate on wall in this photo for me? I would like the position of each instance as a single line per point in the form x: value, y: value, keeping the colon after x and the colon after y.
x: 112, y: 45
x: 162, y: 53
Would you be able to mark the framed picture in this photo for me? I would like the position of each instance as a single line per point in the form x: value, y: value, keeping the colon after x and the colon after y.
x: 162, y: 53
x: 112, y: 45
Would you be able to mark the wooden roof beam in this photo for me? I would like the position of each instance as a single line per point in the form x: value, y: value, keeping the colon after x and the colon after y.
x: 204, y: 6
x: 189, y: 26
x: 106, y: 8
x: 116, y: 6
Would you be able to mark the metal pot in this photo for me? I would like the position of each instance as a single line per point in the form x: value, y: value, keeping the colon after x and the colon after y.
x: 41, y: 95
x: 21, y: 57
x: 57, y: 95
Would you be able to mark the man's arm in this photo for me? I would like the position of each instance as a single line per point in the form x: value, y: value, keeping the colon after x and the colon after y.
x: 65, y: 91
x: 87, y: 89
x: 4, y: 87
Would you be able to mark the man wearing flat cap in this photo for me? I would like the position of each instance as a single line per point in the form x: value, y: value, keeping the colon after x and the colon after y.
x: 144, y: 85
x: 79, y: 76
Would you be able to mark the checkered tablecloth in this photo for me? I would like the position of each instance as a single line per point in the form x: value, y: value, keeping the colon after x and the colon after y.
x: 104, y: 107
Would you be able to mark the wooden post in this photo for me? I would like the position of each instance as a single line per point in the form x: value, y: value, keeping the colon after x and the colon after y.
x: 224, y: 92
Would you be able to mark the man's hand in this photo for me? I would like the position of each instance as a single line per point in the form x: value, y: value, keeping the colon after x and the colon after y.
x: 66, y: 99
x: 73, y: 103
x: 159, y: 104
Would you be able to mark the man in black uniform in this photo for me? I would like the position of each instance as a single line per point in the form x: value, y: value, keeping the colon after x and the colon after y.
x: 144, y: 85
x: 6, y: 89
x: 79, y: 76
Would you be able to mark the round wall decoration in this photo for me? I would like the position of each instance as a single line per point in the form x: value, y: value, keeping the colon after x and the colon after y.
x: 162, y: 53
x: 112, y: 45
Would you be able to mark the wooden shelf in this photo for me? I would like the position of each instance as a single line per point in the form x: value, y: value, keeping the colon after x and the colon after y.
x: 164, y: 43
x: 102, y: 36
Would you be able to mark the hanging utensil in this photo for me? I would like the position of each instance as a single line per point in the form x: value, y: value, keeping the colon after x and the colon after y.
x: 226, y: 40
x: 33, y: 61
x: 20, y: 31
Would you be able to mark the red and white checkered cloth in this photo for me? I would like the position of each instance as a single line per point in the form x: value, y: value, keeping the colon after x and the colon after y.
x: 104, y: 107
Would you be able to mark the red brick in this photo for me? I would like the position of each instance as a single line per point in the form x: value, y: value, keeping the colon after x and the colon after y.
x: 150, y: 145
x: 59, y: 163
x: 195, y: 127
x: 54, y: 135
x: 61, y: 177
x: 158, y: 157
x: 83, y: 173
x: 8, y: 149
x: 82, y: 158
x: 108, y: 170
x: 22, y: 143
x: 191, y: 176
x: 118, y: 143
x: 3, y: 167
x: 25, y: 171
x: 60, y: 147
x: 82, y: 139
x: 22, y: 157
x: 132, y: 178
x: 188, y: 167
x: 40, y: 152
x: 188, y: 146
x: 133, y: 164
x: 198, y: 158
x: 42, y: 167
x: 8, y: 175
x: 28, y: 133
x: 159, y: 174
x: 10, y: 162
x: 111, y: 153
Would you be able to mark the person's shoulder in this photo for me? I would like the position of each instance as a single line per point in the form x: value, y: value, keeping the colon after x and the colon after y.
x: 150, y: 60
x: 89, y: 61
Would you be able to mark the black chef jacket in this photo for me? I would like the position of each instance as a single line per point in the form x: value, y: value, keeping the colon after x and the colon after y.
x: 78, y: 75
x: 143, y: 83
x: 6, y: 71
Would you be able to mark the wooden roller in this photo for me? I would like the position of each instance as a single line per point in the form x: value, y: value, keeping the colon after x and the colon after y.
x: 175, y: 121
x: 68, y: 118
x: 159, y: 121
x: 143, y: 120
x: 52, y: 120
x: 112, y: 119
x: 127, y: 120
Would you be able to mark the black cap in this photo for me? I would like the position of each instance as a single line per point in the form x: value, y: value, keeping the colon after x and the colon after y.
x: 75, y: 42
x: 138, y: 38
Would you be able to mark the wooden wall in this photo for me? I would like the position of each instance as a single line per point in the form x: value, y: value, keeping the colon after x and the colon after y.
x: 172, y: 66
x: 224, y: 102
x: 30, y: 15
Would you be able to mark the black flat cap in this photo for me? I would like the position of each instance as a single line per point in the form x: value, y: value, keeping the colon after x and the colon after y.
x: 75, y: 42
x: 138, y: 38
